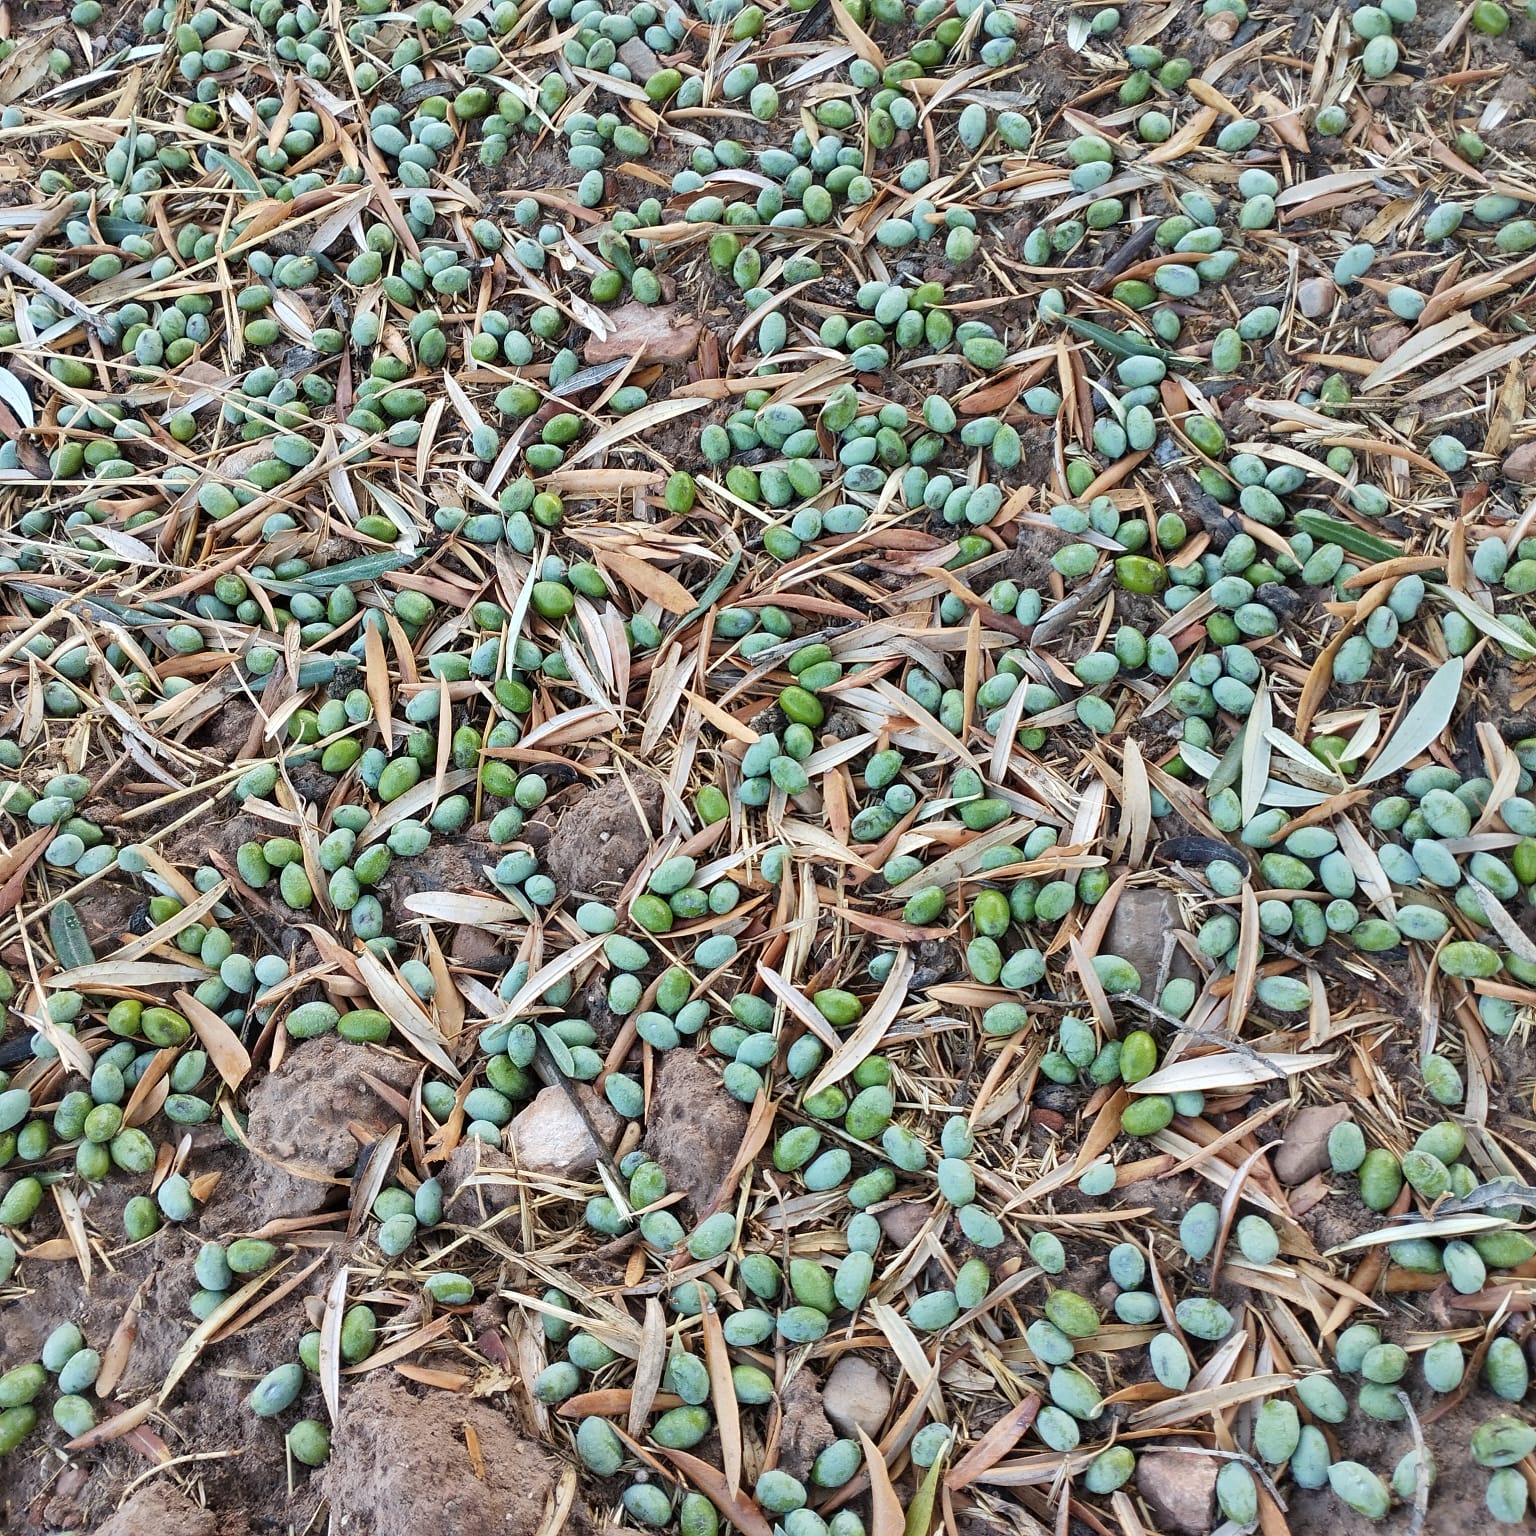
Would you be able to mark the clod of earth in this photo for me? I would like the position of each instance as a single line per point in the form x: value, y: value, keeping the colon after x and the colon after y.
x: 694, y: 1129
x: 399, y: 1463
x: 603, y: 834
x: 299, y: 1119
x: 160, y: 1509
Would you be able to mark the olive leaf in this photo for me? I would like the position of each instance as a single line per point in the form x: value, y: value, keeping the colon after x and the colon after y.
x: 1356, y: 540
x: 14, y: 393
x: 70, y: 943
x: 920, y: 1511
x: 1490, y: 624
x: 1438, y: 1227
x: 242, y: 175
x: 1120, y: 343
x: 1256, y: 750
x: 1422, y: 724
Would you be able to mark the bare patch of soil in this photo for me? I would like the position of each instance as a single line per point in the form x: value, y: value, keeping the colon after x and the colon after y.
x: 600, y: 836
x: 695, y: 1127
x: 241, y: 1477
x: 402, y: 1463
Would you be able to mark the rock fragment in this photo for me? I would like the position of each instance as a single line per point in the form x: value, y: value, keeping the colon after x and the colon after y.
x: 1314, y: 297
x: 856, y: 1396
x: 1303, y: 1150
x: 653, y: 333
x: 1520, y: 464
x: 550, y: 1135
x: 1180, y: 1490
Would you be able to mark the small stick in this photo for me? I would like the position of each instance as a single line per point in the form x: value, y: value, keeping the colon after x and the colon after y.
x: 51, y: 290
x: 40, y: 231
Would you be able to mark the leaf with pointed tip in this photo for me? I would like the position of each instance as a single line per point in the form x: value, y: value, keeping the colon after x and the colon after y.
x: 1256, y: 751
x: 1422, y: 724
x: 885, y: 1516
x: 242, y: 175
x: 1120, y: 343
x: 1490, y: 624
x: 1356, y: 540
x: 920, y: 1510
x: 15, y: 395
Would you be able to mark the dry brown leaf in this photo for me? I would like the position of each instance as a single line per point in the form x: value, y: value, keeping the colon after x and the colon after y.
x: 646, y: 579
x: 996, y: 1443
x: 405, y: 1013
x: 722, y: 1394
x: 201, y: 1336
x: 885, y: 1512
x: 230, y: 1058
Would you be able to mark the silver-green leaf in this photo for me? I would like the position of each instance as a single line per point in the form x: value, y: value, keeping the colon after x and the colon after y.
x: 1422, y: 724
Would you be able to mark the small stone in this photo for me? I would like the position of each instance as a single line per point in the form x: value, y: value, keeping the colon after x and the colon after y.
x: 652, y: 333
x: 1385, y: 340
x: 902, y: 1221
x: 856, y: 1396
x: 1315, y: 297
x: 1143, y: 918
x: 550, y: 1136
x: 1180, y: 1490
x: 1520, y: 464
x: 641, y: 62
x: 1303, y: 1150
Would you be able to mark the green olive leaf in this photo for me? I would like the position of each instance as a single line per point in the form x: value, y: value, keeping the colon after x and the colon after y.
x: 1356, y: 540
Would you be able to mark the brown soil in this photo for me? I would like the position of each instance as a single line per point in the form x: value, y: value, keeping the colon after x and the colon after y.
x: 694, y: 1127
x: 241, y: 1477
x: 226, y: 733
x: 482, y: 1200
x: 299, y: 1119
x: 599, y: 836
x: 402, y: 1463
x: 407, y: 1460
x: 109, y: 914
x: 1457, y: 1502
x: 447, y: 865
